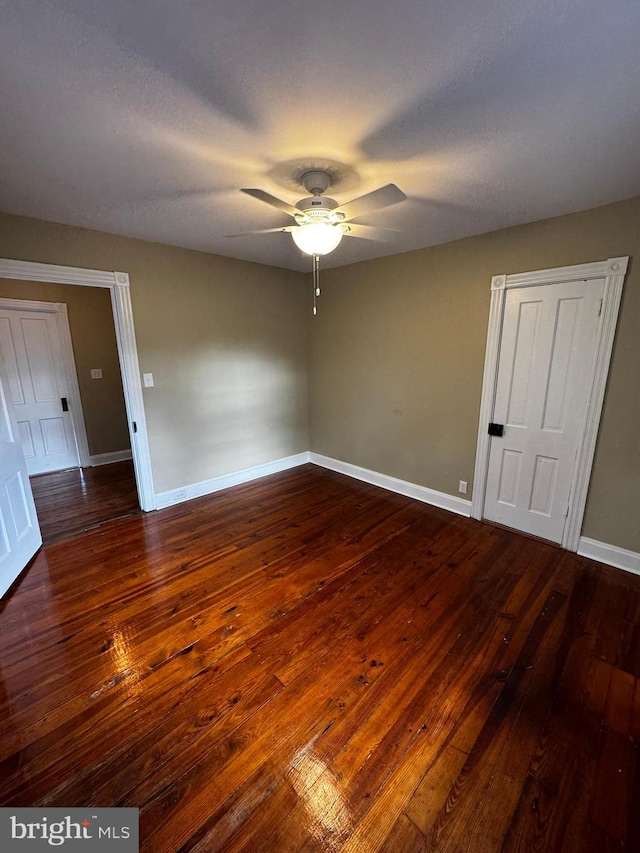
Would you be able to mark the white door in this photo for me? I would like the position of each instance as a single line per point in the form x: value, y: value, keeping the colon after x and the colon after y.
x: 30, y: 342
x: 545, y: 372
x: 19, y: 530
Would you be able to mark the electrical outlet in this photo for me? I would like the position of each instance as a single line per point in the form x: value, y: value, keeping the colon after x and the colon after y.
x: 462, y: 488
x: 180, y: 495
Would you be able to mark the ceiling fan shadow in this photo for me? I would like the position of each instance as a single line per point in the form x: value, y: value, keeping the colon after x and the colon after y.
x: 162, y: 35
x: 440, y: 206
x: 443, y: 221
x: 500, y: 92
x: 187, y: 195
x: 138, y: 199
x: 365, y: 231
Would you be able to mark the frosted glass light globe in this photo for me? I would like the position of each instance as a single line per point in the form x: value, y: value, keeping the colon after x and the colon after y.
x: 317, y: 238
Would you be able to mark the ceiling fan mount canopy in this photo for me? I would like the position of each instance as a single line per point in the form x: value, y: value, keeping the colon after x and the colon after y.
x: 316, y: 181
x: 292, y: 175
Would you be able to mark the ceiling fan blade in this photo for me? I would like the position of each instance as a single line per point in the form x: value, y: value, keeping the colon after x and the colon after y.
x: 369, y: 232
x: 375, y: 200
x: 287, y: 228
x: 261, y: 195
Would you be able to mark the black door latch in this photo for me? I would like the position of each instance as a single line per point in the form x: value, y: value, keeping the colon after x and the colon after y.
x: 496, y: 429
x: 65, y: 405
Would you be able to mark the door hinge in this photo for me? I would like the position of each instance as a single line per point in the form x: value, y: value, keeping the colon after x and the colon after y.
x: 135, y: 426
x: 600, y: 308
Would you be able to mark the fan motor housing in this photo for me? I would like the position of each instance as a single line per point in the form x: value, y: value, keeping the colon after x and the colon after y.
x: 317, y: 205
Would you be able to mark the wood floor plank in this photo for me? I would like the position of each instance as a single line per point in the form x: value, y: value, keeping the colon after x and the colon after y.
x: 404, y: 837
x: 370, y: 739
x: 635, y: 713
x: 154, y: 641
x: 553, y: 809
x: 309, y: 663
x: 619, y: 705
x: 611, y: 801
x: 478, y: 812
x: 71, y: 501
x: 440, y: 728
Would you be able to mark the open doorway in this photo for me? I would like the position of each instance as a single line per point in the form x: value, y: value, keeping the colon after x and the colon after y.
x: 61, y: 361
x: 111, y: 474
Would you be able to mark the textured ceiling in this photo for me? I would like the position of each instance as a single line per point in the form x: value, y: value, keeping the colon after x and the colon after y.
x: 145, y: 117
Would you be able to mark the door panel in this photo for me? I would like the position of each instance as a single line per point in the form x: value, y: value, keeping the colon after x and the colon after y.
x: 26, y: 435
x: 526, y: 334
x: 18, y: 504
x: 19, y: 531
x: 543, y: 486
x: 53, y: 435
x: 32, y: 349
x: 546, y: 363
x: 563, y: 348
x: 11, y: 365
x: 40, y: 363
x: 509, y: 477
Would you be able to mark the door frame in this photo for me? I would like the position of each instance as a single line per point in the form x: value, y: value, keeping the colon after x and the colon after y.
x: 118, y: 285
x: 61, y: 316
x: 613, y: 272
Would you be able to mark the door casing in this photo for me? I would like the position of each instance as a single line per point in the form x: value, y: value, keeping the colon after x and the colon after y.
x: 613, y: 271
x: 118, y: 285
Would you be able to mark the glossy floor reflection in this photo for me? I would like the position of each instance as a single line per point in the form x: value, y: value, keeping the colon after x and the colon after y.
x: 72, y: 501
x: 310, y: 663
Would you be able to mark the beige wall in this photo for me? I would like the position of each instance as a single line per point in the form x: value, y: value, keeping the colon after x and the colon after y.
x: 94, y: 345
x: 225, y: 340
x: 396, y: 354
x: 397, y: 358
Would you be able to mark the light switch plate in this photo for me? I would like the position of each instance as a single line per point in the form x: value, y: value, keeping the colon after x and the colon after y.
x: 147, y: 378
x: 96, y: 373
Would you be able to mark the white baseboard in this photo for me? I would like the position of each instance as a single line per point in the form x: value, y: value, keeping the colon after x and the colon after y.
x: 460, y: 506
x: 108, y: 458
x: 609, y: 554
x: 601, y: 552
x: 216, y: 484
x: 392, y: 484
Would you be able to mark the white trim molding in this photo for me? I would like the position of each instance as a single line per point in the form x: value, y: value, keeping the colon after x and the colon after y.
x: 401, y: 487
x: 613, y: 272
x: 108, y: 458
x: 620, y: 558
x: 118, y: 284
x: 442, y: 500
x: 27, y: 271
x: 216, y: 484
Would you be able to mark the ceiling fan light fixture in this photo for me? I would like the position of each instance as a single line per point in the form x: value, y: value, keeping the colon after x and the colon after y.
x: 317, y: 238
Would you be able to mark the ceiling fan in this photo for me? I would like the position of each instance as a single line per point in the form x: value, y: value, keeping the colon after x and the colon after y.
x: 320, y: 222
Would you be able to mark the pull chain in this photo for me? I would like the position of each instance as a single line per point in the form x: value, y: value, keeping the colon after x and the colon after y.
x: 316, y: 282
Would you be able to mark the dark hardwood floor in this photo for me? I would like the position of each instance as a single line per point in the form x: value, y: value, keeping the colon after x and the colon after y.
x: 308, y: 663
x: 72, y: 501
